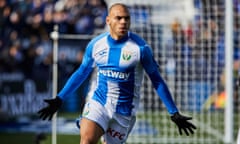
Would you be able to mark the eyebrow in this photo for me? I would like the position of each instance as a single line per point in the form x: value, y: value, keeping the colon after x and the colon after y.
x: 120, y: 17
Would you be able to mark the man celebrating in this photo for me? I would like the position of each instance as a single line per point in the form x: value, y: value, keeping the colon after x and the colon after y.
x: 120, y: 57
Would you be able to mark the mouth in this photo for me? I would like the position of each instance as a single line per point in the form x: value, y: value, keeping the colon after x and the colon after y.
x: 123, y: 29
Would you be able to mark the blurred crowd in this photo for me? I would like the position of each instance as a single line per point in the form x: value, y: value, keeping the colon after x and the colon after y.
x: 199, y: 48
x: 201, y: 42
x: 25, y: 26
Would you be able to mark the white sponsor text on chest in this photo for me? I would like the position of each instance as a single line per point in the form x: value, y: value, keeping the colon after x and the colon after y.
x: 114, y: 74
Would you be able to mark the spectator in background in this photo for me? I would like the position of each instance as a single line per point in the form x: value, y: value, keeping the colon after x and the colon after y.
x: 29, y: 55
x: 12, y: 57
x: 60, y: 17
x: 99, y: 10
x: 86, y: 16
x: 30, y: 22
x: 84, y: 21
x: 47, y: 19
x: 5, y: 12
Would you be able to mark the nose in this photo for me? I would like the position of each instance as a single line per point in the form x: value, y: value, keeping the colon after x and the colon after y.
x: 124, y: 19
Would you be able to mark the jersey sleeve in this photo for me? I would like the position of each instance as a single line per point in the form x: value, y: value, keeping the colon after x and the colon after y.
x: 152, y: 69
x: 77, y: 78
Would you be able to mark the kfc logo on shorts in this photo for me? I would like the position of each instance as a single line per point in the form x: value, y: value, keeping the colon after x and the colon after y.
x: 115, y: 134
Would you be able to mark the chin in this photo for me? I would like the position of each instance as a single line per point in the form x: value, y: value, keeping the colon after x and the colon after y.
x: 122, y: 34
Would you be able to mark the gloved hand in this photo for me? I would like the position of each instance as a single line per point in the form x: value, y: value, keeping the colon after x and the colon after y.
x: 53, y: 106
x: 183, y: 123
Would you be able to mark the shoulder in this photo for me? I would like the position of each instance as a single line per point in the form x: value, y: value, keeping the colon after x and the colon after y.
x: 137, y: 39
x: 142, y: 44
x: 98, y: 38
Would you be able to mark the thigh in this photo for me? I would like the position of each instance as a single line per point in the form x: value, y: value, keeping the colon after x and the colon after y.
x: 90, y: 131
x: 94, y: 122
x: 119, y: 129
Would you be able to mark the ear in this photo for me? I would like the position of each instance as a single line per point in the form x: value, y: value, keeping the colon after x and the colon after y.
x: 107, y: 20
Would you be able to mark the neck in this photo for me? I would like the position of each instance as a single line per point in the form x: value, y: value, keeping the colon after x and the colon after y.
x: 119, y: 39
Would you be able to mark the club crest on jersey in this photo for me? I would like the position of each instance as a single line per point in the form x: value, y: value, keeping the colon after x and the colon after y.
x: 126, y: 55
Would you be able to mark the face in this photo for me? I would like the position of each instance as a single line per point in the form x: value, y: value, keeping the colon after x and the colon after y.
x: 118, y: 21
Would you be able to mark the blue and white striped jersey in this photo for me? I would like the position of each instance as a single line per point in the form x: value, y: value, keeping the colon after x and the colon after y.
x: 120, y: 65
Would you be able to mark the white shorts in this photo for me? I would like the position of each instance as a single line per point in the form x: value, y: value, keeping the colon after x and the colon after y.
x: 117, y: 127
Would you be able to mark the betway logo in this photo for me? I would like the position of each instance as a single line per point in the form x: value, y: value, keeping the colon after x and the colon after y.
x: 115, y: 74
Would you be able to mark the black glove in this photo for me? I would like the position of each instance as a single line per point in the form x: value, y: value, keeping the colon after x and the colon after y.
x: 53, y: 106
x: 183, y: 123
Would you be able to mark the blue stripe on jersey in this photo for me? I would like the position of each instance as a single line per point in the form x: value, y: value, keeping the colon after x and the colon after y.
x: 101, y: 91
x: 114, y: 51
x: 125, y: 102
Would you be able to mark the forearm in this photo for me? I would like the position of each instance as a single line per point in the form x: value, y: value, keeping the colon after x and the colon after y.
x: 166, y: 97
x: 163, y: 92
x: 74, y: 82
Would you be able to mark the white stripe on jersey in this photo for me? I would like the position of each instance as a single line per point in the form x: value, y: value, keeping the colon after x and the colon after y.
x: 122, y: 77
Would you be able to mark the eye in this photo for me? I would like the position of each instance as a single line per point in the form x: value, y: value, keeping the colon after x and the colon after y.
x: 126, y: 18
x: 118, y: 17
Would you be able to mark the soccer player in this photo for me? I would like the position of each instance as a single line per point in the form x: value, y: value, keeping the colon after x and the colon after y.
x: 120, y: 57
